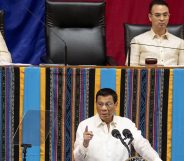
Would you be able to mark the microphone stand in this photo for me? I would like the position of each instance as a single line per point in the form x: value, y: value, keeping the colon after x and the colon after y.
x: 155, y: 46
x: 126, y: 146
x: 66, y: 54
x: 133, y: 43
x: 129, y: 53
x: 66, y: 48
x: 25, y: 146
x: 115, y: 133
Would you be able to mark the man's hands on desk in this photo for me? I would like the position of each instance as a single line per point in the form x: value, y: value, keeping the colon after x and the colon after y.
x: 87, y: 135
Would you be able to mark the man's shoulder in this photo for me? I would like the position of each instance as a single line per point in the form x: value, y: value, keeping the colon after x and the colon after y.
x: 172, y: 36
x: 143, y: 36
x: 124, y: 119
x: 124, y: 122
x: 145, y: 33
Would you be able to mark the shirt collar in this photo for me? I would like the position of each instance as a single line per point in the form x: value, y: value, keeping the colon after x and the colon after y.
x: 165, y: 36
x: 99, y: 122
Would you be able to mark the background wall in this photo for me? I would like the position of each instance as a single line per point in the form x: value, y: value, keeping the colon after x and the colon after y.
x: 43, y: 106
x: 24, y: 25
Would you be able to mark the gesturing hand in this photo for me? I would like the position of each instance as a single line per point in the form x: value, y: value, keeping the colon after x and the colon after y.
x: 87, y: 135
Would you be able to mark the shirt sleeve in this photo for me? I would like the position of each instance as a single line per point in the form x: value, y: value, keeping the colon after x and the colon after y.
x: 5, y: 56
x: 80, y: 152
x: 142, y: 146
x: 181, y: 54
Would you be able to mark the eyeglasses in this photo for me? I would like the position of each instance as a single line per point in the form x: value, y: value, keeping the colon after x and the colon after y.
x: 107, y: 104
x: 158, y: 15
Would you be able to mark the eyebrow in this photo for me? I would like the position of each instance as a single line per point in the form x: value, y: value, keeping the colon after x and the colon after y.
x: 160, y: 13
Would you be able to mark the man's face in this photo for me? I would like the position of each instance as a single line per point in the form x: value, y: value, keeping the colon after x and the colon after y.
x: 159, y: 17
x: 106, y: 108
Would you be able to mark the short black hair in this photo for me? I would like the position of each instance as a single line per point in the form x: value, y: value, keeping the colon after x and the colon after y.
x: 157, y: 2
x: 107, y: 92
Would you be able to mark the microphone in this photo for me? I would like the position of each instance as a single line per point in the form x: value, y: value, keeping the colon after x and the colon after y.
x: 128, y: 135
x: 115, y: 133
x: 148, y: 60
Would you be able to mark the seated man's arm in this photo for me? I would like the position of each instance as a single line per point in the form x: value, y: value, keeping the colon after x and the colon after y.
x: 181, y: 54
x: 5, y: 56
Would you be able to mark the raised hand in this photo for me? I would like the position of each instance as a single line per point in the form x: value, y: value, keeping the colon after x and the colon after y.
x: 87, y: 135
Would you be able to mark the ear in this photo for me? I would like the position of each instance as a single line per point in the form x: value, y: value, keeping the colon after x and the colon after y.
x: 115, y: 106
x: 149, y: 16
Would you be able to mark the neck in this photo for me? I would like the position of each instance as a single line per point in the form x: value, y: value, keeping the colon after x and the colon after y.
x: 108, y: 126
x: 159, y: 32
x: 108, y: 123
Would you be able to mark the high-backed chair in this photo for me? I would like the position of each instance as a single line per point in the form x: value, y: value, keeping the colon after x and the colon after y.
x: 2, y: 22
x: 75, y: 33
x: 132, y: 30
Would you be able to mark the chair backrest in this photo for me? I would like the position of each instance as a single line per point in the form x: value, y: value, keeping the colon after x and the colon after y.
x: 79, y: 27
x: 2, y: 22
x: 132, y: 30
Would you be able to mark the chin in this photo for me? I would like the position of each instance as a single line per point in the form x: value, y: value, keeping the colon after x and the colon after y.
x: 106, y: 121
x: 104, y: 118
x: 162, y: 25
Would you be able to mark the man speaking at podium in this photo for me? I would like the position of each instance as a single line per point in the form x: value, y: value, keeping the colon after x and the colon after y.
x: 94, y: 139
x: 158, y: 42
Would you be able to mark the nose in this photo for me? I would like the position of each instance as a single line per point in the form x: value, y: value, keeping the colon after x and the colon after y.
x: 162, y: 17
x: 104, y: 107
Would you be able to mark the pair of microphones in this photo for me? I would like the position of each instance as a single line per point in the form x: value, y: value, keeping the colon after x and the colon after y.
x: 127, y: 135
